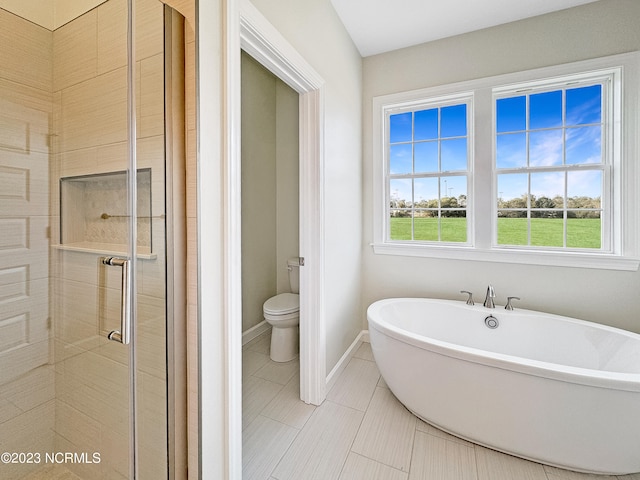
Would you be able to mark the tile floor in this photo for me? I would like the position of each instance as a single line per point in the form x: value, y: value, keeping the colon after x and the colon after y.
x: 52, y: 472
x: 360, y: 432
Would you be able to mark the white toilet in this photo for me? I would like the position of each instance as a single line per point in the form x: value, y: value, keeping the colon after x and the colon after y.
x: 282, y: 312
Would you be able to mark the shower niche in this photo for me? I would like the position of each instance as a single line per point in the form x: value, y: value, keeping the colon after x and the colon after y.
x: 94, y: 213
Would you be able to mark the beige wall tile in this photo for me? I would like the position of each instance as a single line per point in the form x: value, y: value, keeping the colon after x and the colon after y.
x: 79, y: 429
x: 112, y: 35
x: 24, y: 130
x: 185, y: 7
x: 29, y: 59
x: 190, y: 85
x: 74, y: 471
x: 112, y: 157
x: 8, y: 410
x: 95, y: 112
x: 150, y: 154
x: 30, y: 432
x: 152, y: 421
x: 32, y: 389
x: 97, y: 387
x: 149, y: 28
x: 76, y: 162
x: 150, y: 97
x: 75, y: 51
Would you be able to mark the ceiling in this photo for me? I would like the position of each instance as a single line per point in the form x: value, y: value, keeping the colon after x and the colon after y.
x: 378, y: 26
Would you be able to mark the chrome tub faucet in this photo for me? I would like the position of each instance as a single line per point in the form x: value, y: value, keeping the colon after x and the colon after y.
x: 509, y: 305
x: 469, y: 298
x: 488, y: 300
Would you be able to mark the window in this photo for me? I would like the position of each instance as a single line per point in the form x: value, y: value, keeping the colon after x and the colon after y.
x: 551, y: 171
x: 523, y: 168
x: 427, y: 169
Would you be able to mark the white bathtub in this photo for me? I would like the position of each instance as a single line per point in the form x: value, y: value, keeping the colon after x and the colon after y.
x: 552, y: 389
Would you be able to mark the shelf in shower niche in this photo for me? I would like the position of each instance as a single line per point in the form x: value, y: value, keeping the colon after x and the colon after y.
x: 94, y: 211
x: 143, y: 253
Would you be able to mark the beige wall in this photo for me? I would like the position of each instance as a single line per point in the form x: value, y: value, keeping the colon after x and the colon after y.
x: 316, y: 32
x: 597, y: 29
x: 259, y: 234
x: 269, y: 187
x: 287, y: 182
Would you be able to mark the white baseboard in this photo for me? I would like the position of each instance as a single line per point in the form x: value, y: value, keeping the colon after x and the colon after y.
x: 255, y: 332
x: 363, y: 337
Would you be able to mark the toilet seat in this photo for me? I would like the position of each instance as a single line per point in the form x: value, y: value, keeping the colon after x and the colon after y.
x: 282, y: 304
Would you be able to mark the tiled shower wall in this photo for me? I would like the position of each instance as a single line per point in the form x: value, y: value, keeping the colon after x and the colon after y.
x: 69, y: 88
x: 27, y: 406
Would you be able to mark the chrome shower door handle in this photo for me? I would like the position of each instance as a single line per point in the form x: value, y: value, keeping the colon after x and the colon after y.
x: 124, y: 334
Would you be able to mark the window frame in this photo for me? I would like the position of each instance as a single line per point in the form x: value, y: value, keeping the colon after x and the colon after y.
x: 461, y: 98
x: 610, y: 165
x: 622, y: 253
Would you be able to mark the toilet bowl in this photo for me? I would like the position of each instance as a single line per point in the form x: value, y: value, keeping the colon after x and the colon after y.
x: 282, y: 312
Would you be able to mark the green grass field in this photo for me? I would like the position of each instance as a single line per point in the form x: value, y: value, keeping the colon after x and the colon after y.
x: 545, y: 232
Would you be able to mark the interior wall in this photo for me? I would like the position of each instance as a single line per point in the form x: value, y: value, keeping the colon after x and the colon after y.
x: 597, y: 29
x: 287, y: 182
x: 316, y: 32
x: 258, y: 153
x: 270, y: 218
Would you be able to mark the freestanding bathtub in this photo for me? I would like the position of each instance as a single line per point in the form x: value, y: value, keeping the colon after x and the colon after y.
x: 547, y: 388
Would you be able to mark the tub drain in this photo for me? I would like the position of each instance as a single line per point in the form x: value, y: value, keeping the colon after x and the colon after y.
x: 491, y: 322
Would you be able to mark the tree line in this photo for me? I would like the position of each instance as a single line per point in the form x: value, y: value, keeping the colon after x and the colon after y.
x: 541, y: 207
x: 546, y: 207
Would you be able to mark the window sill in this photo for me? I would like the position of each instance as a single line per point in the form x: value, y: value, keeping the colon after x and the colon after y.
x: 509, y: 255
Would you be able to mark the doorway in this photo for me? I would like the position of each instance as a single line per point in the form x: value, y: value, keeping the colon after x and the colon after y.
x: 259, y: 40
x: 270, y: 206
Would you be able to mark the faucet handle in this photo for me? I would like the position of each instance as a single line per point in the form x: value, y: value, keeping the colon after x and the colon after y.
x: 470, y: 299
x: 508, y: 306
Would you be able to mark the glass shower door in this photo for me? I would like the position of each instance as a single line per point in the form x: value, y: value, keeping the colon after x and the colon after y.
x: 83, y: 235
x: 93, y: 268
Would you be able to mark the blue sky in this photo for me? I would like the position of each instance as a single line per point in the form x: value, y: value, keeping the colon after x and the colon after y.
x: 537, y: 130
x: 433, y: 135
x: 549, y: 143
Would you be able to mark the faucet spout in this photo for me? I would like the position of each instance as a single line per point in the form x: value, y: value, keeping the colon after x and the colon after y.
x: 488, y: 301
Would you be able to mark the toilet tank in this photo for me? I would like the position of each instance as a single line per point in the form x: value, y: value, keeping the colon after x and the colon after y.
x: 293, y: 266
